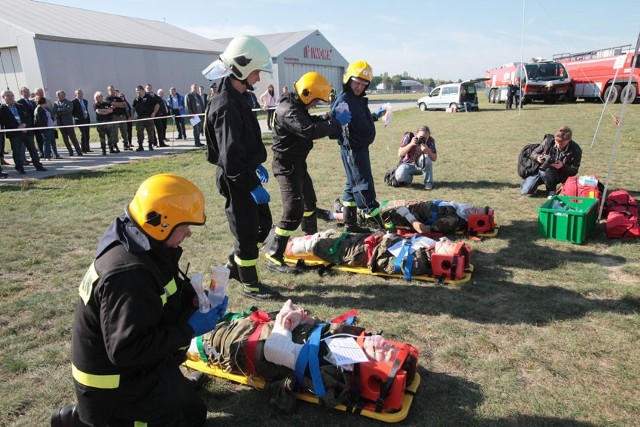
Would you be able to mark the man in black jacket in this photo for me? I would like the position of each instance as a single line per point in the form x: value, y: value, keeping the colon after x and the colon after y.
x: 294, y: 130
x: 14, y: 116
x: 81, y: 117
x: 234, y: 144
x: 136, y: 314
x: 559, y: 158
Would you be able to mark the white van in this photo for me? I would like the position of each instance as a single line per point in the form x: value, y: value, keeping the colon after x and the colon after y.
x: 461, y: 96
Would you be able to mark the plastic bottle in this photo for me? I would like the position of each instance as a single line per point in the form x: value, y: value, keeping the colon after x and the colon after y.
x: 218, y: 284
x: 203, y: 302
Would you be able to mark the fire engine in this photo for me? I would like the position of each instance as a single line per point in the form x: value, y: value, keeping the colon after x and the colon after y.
x: 542, y: 80
x: 593, y: 74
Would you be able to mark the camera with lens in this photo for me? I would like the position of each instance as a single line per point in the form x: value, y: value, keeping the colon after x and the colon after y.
x: 422, y: 140
x: 548, y: 160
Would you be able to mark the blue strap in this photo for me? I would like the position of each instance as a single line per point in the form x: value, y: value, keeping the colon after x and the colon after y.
x: 309, y: 356
x: 434, y: 212
x: 405, y: 254
x: 350, y: 320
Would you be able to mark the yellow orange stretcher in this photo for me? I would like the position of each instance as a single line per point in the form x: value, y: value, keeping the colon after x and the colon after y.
x: 314, y: 261
x: 259, y: 383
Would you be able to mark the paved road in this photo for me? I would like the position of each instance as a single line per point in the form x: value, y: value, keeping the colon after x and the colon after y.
x: 96, y: 160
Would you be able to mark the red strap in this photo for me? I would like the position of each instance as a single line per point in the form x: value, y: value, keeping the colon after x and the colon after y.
x: 344, y: 317
x: 259, y: 317
x: 370, y: 242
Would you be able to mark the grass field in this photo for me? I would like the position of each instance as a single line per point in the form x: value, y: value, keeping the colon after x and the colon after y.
x: 545, y: 333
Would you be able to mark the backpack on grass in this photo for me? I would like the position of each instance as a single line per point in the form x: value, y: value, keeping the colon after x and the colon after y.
x: 527, y: 167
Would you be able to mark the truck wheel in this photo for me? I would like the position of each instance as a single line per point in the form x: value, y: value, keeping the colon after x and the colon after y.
x: 423, y: 106
x: 629, y: 93
x: 612, y: 94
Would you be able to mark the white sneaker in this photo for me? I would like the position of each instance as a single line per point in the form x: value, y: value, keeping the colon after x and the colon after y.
x: 428, y: 187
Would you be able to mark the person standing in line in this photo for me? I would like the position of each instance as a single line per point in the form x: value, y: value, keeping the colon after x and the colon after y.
x: 30, y: 106
x: 128, y: 112
x: 359, y: 190
x: 175, y: 102
x: 44, y: 118
x: 146, y: 108
x: 194, y: 105
x: 285, y: 93
x: 294, y: 130
x: 119, y: 115
x: 14, y: 116
x: 268, y: 100
x: 106, y: 131
x: 161, y: 122
x: 234, y: 145
x: 81, y: 117
x: 136, y: 314
x: 63, y: 110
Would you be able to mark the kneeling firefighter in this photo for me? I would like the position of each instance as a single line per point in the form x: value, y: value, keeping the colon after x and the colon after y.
x: 293, y: 134
x: 136, y: 315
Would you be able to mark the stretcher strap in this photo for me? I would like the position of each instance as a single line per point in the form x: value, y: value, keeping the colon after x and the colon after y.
x: 386, y: 387
x: 434, y: 212
x: 259, y: 317
x: 405, y: 257
x: 333, y: 250
x: 309, y: 357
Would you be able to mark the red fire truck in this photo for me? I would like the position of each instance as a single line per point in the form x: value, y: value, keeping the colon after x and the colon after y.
x: 541, y: 80
x: 593, y: 74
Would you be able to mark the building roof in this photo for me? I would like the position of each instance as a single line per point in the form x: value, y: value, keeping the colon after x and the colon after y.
x: 54, y: 22
x: 279, y: 42
x: 411, y: 83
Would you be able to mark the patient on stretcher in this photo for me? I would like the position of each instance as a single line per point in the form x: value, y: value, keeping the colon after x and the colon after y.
x: 422, y: 216
x: 272, y: 346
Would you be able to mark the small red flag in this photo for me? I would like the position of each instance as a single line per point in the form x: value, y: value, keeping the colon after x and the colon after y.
x: 617, y: 120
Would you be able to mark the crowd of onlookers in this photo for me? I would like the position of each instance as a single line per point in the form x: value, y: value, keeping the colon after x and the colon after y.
x: 33, y: 122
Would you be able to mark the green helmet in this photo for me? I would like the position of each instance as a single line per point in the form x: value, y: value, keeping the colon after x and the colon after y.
x: 246, y: 54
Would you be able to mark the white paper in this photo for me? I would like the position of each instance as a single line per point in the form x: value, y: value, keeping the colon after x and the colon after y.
x: 194, y: 120
x: 346, y: 351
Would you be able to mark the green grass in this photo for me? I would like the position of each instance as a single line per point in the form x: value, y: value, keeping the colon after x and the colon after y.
x: 545, y: 333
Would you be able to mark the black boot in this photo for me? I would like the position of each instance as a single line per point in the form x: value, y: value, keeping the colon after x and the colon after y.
x: 232, y: 266
x: 275, y: 254
x: 66, y: 416
x: 351, y: 220
x: 252, y: 287
x: 309, y: 223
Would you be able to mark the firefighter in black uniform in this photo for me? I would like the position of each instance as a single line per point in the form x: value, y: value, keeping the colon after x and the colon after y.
x: 234, y: 144
x: 359, y: 190
x: 136, y: 315
x: 294, y: 132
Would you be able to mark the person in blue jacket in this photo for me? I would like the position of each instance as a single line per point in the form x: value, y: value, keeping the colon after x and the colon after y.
x: 359, y: 190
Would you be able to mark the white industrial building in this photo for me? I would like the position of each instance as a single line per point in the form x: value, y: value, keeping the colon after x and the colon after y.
x: 64, y: 48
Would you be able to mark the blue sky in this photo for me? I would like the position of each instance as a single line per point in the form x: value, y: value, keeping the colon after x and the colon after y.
x: 439, y: 39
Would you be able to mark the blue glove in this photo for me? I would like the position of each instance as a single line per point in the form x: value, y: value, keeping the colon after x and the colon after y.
x: 260, y: 195
x: 380, y: 112
x: 344, y: 117
x: 201, y: 323
x: 262, y: 174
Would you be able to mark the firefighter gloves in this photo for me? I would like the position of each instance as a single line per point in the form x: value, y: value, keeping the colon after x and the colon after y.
x: 344, y: 117
x: 262, y: 174
x: 260, y: 195
x: 201, y: 323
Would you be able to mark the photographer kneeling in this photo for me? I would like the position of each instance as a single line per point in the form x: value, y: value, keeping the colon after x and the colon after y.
x: 418, y: 152
x: 559, y: 158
